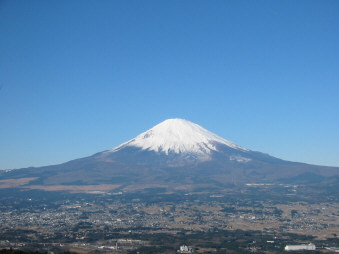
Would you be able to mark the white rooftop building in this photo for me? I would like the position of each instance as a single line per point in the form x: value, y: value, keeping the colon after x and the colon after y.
x: 309, y: 246
x: 184, y: 249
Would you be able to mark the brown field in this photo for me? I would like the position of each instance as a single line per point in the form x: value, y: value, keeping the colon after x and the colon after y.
x: 12, y: 183
x: 137, y: 187
x: 75, y: 188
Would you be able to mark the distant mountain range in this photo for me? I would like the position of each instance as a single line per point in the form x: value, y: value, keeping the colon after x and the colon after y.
x: 175, y: 153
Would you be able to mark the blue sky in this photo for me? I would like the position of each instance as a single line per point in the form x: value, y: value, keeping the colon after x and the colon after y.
x: 80, y: 77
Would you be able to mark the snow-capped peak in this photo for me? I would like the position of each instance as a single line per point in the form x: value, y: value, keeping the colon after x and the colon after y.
x: 178, y: 136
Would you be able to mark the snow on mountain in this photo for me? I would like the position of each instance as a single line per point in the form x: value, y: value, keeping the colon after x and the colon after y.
x: 178, y: 136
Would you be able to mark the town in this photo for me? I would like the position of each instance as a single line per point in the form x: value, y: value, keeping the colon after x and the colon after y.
x: 154, y: 219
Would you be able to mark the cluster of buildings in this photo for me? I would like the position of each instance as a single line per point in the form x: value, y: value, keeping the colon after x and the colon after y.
x: 79, y: 219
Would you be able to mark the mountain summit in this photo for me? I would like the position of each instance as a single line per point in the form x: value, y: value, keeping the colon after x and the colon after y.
x: 179, y: 136
x: 174, y: 153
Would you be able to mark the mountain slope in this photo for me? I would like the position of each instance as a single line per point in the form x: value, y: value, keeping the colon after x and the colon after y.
x: 174, y: 152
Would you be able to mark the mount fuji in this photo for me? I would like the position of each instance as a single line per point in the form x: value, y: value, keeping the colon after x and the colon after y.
x: 181, y: 141
x: 173, y: 153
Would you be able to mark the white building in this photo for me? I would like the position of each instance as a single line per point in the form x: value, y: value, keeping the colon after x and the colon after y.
x: 184, y: 249
x: 310, y: 246
x: 334, y: 249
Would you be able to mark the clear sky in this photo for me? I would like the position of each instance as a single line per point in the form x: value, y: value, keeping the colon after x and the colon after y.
x: 80, y: 77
